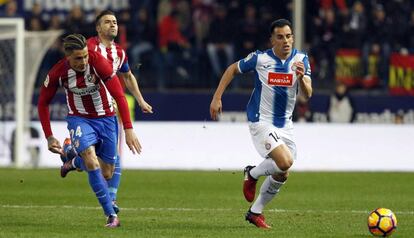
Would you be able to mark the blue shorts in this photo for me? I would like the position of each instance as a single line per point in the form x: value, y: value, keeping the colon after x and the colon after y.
x: 101, y: 132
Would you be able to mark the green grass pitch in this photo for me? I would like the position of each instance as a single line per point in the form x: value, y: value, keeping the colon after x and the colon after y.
x: 38, y: 203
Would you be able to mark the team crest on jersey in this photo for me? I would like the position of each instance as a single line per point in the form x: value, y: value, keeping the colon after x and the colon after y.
x: 46, y: 82
x: 90, y: 78
x: 280, y: 79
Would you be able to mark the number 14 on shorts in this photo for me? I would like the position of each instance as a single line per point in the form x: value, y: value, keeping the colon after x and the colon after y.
x: 275, y: 136
x: 78, y: 132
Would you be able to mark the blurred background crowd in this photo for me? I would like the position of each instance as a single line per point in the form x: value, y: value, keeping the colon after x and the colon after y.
x: 185, y: 45
x: 189, y: 43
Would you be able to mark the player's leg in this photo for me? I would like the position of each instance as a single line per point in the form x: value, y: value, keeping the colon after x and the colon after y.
x: 279, y: 161
x: 114, y: 182
x: 272, y: 184
x: 269, y: 189
x: 73, y: 161
x: 85, y: 134
x: 98, y: 184
x: 112, y: 174
x: 268, y: 141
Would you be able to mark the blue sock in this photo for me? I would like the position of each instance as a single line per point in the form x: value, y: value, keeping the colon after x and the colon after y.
x: 98, y: 185
x: 114, y: 182
x: 79, y: 163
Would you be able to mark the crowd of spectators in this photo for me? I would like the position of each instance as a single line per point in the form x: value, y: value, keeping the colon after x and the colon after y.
x: 189, y: 43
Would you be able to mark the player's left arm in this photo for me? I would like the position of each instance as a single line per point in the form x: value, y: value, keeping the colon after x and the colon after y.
x: 303, y: 74
x: 132, y: 85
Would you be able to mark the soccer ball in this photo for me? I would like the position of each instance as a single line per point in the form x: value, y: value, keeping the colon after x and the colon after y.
x: 382, y: 222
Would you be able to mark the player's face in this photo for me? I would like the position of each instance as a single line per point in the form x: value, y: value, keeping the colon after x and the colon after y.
x: 78, y: 60
x: 282, y: 41
x: 108, y: 27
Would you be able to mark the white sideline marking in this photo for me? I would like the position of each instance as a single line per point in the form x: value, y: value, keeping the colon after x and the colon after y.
x: 183, y: 209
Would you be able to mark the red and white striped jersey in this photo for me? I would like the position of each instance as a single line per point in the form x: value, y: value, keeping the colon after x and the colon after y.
x: 86, y: 93
x: 114, y: 54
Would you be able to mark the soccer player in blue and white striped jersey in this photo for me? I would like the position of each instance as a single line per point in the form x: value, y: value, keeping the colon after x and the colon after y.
x: 280, y: 74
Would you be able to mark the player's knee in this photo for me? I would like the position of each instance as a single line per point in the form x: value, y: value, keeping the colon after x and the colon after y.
x: 90, y: 159
x: 91, y: 164
x: 282, y: 157
x: 107, y: 175
x: 281, y: 177
x: 285, y: 162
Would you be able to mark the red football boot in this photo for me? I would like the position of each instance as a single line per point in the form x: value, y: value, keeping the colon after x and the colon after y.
x: 257, y: 220
x: 249, y: 184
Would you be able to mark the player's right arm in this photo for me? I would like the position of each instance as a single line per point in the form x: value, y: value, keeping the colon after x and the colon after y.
x: 216, y: 105
x: 242, y: 66
x: 47, y: 92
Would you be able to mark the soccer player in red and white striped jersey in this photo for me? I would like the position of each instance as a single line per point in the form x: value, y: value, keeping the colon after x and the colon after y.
x: 90, y: 83
x: 104, y: 44
x: 107, y: 29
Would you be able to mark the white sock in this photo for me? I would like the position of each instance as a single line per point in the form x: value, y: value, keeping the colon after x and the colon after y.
x: 269, y: 189
x: 267, y: 167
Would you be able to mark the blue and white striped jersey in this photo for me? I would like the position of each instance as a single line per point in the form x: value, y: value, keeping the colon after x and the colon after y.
x: 275, y: 88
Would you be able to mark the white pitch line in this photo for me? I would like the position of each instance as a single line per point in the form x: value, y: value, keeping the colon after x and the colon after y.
x: 183, y: 209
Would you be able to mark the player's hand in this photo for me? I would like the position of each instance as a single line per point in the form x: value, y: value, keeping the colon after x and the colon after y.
x: 132, y: 141
x: 54, y: 146
x: 145, y: 107
x: 300, y: 69
x: 215, y: 108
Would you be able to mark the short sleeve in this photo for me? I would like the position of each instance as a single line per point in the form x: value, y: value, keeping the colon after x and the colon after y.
x: 124, y: 67
x: 308, y: 70
x: 249, y: 63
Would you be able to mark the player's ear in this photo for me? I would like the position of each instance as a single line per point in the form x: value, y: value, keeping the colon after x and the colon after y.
x: 97, y: 28
x: 272, y: 39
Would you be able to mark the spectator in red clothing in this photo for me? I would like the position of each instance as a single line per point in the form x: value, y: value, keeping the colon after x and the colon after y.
x: 174, y: 57
x: 170, y: 35
x: 329, y: 4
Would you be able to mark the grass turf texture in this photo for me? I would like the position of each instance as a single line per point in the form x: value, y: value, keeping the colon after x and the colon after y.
x: 38, y: 203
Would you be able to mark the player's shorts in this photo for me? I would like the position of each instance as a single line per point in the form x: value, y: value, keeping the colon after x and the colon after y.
x: 101, y: 132
x: 266, y: 137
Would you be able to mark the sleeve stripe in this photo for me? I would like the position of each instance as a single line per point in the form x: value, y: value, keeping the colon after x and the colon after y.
x: 238, y: 67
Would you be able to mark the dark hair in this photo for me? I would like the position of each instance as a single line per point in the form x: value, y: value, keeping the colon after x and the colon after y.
x: 279, y: 24
x: 103, y: 13
x: 74, y: 42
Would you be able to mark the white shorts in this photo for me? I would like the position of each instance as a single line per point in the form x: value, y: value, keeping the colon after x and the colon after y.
x: 267, y: 137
